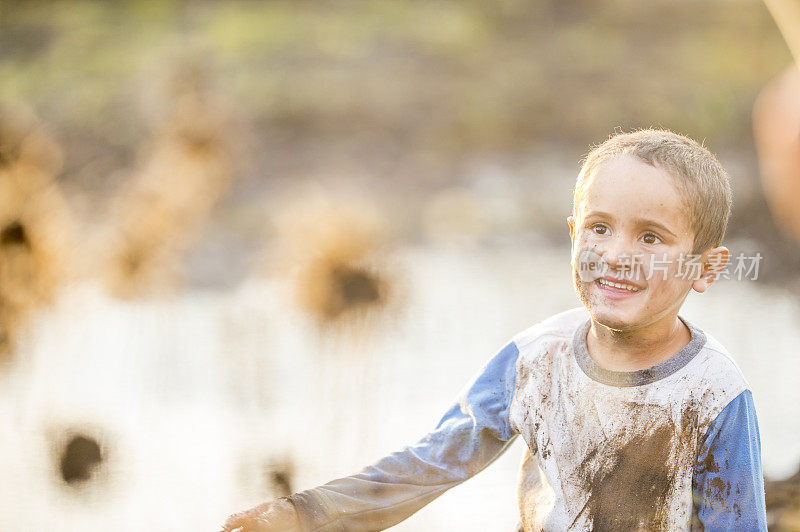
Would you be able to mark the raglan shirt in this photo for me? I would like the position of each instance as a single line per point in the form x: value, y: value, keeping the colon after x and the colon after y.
x: 672, y: 447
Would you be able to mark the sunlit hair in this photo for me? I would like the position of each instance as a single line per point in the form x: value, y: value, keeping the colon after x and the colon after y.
x: 701, y: 181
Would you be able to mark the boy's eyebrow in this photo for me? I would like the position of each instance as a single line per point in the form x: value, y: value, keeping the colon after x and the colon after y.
x: 653, y: 223
x: 638, y: 221
x: 599, y: 214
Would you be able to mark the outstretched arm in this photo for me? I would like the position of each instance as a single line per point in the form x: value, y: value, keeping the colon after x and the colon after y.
x: 473, y: 433
x: 728, y: 480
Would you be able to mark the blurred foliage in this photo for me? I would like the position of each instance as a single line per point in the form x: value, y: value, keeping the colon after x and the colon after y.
x: 442, y: 76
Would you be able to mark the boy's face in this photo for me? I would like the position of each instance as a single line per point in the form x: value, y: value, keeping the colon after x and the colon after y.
x: 633, y: 223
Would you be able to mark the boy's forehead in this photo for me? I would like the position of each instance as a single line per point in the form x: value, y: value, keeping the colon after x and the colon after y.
x: 625, y: 173
x: 624, y: 184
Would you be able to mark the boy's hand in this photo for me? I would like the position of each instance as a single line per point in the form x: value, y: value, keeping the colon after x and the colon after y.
x: 273, y: 516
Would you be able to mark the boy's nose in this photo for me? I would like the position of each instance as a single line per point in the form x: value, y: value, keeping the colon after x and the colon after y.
x: 619, y: 252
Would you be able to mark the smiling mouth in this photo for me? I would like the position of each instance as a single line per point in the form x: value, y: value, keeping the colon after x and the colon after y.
x: 616, y: 286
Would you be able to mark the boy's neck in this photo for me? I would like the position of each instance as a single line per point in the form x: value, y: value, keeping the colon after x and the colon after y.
x: 639, y: 349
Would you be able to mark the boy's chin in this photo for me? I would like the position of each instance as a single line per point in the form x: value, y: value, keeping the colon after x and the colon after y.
x: 618, y: 318
x: 616, y: 321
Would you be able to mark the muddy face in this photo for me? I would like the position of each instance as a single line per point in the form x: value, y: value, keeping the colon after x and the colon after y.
x: 631, y: 219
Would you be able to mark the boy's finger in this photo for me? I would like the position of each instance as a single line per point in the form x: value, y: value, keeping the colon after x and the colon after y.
x: 251, y: 520
x: 235, y: 522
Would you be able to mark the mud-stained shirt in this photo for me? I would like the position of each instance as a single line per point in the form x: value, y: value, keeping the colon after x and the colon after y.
x: 672, y: 447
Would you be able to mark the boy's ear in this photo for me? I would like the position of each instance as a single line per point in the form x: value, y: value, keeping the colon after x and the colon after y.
x: 571, y: 224
x: 715, y: 261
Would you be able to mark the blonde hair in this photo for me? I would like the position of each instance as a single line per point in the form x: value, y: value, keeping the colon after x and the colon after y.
x: 701, y: 181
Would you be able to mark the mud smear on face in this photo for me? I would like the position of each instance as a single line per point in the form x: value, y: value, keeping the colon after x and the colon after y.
x: 580, y: 284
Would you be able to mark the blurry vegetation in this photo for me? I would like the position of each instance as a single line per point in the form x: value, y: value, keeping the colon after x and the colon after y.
x: 185, y: 169
x: 406, y: 94
x: 783, y: 504
x: 334, y: 253
x: 448, y: 77
x: 279, y: 477
x: 34, y: 221
x: 80, y: 456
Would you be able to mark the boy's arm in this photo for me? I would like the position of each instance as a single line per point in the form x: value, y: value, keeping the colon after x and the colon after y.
x: 473, y: 432
x: 728, y: 481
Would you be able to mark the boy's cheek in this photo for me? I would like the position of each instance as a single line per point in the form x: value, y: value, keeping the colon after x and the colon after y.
x: 589, y: 265
x: 582, y: 243
x: 674, y: 266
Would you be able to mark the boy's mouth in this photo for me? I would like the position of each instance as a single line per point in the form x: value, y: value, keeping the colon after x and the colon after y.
x: 617, y: 287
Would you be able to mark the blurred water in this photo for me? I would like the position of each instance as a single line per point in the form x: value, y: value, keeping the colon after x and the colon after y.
x: 193, y: 397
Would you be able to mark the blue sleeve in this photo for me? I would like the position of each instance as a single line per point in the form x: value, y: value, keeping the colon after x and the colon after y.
x: 471, y: 434
x: 728, y: 481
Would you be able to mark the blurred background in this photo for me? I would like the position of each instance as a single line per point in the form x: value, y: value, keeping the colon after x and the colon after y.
x: 248, y: 247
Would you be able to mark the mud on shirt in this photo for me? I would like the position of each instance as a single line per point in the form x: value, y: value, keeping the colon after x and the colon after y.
x: 672, y: 447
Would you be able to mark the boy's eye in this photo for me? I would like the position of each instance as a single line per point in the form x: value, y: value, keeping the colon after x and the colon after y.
x: 650, y: 238
x: 600, y: 229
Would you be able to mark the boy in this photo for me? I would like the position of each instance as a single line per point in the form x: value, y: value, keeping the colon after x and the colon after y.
x: 634, y: 419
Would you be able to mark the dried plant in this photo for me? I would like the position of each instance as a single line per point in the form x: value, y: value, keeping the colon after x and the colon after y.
x: 335, y: 253
x: 184, y: 171
x: 34, y: 221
